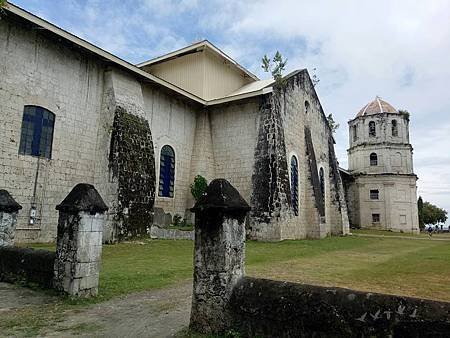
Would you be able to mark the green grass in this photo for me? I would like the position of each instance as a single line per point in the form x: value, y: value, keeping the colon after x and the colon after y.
x: 402, y: 234
x: 390, y: 265
x: 416, y: 268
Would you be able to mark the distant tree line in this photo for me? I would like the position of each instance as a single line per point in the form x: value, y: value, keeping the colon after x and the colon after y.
x: 429, y: 214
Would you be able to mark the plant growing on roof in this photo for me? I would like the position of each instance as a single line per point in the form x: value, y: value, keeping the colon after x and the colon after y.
x: 404, y: 113
x: 3, y: 4
x: 199, y: 186
x: 275, y: 66
x: 332, y: 123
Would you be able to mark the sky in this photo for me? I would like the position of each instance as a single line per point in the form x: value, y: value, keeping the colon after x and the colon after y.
x: 397, y: 49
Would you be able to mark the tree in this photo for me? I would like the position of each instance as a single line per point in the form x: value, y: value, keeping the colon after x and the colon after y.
x: 432, y: 214
x: 332, y: 123
x: 420, y: 212
x: 199, y: 186
x: 2, y: 3
x: 275, y: 66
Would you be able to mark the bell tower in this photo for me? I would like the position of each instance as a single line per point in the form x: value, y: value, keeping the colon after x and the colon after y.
x: 383, y: 193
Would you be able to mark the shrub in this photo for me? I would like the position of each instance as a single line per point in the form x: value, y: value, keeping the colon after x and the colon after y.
x: 199, y: 186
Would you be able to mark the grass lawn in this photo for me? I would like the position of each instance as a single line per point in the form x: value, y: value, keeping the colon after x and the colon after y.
x: 390, y: 265
x: 444, y: 235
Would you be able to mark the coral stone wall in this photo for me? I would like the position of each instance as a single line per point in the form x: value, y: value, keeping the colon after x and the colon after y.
x: 172, y: 122
x: 292, y: 123
x: 265, y: 308
x: 234, y: 129
x: 396, y: 203
x: 37, y: 69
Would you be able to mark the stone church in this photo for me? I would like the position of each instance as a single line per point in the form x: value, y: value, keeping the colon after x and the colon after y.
x: 380, y: 182
x: 72, y: 113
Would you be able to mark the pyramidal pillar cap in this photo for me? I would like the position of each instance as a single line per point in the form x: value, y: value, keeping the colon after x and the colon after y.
x: 83, y: 197
x: 7, y: 202
x: 221, y: 196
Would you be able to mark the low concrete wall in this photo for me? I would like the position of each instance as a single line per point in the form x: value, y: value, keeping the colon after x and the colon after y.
x: 162, y: 233
x: 266, y: 308
x: 27, y: 265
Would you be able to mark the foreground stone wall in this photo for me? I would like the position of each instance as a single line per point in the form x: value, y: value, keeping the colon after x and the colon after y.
x: 26, y: 265
x: 265, y: 308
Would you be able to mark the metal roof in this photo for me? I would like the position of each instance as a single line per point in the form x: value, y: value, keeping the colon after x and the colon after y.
x: 197, y: 47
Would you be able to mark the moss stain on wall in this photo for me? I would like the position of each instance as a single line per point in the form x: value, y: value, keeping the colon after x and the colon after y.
x: 132, y: 163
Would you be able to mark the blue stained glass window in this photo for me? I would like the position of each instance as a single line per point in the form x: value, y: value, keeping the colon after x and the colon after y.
x: 322, y: 183
x: 37, y: 132
x: 166, y: 172
x: 294, y: 184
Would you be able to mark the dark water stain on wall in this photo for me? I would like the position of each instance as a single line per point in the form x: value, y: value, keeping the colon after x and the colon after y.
x: 314, y: 174
x: 270, y: 179
x: 132, y: 163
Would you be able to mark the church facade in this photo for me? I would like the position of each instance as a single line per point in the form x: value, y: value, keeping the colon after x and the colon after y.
x: 380, y: 181
x: 73, y: 113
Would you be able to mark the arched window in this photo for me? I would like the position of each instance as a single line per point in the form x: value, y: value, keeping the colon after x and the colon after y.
x: 372, y: 130
x: 294, y: 184
x: 166, y: 172
x: 37, y: 132
x: 322, y: 184
x: 373, y: 159
x: 355, y: 133
x: 394, y: 128
x: 306, y: 107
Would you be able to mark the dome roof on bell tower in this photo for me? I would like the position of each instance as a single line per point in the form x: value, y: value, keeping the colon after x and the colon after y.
x: 377, y: 106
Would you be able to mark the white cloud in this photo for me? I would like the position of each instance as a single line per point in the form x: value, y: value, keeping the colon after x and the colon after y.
x: 396, y: 49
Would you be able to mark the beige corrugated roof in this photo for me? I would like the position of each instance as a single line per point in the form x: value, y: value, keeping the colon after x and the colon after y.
x: 377, y: 106
x: 197, y: 46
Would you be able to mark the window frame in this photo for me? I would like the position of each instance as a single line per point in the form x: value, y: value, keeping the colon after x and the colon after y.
x: 322, y: 183
x: 37, y: 132
x: 294, y: 193
x: 373, y: 159
x: 372, y: 129
x: 374, y: 194
x: 394, y: 127
x: 374, y: 216
x: 355, y: 133
x: 170, y: 175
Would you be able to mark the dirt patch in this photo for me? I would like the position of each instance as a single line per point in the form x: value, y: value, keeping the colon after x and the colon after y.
x: 13, y: 297
x: 156, y: 313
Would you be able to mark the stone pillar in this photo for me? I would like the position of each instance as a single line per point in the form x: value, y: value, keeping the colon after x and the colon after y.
x: 9, y: 209
x: 79, y: 241
x: 218, y: 255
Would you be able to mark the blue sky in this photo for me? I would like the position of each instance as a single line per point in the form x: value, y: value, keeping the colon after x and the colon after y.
x: 399, y: 50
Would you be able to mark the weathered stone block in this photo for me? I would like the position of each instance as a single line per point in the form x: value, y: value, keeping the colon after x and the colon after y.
x: 79, y: 248
x: 8, y: 218
x: 218, y: 254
